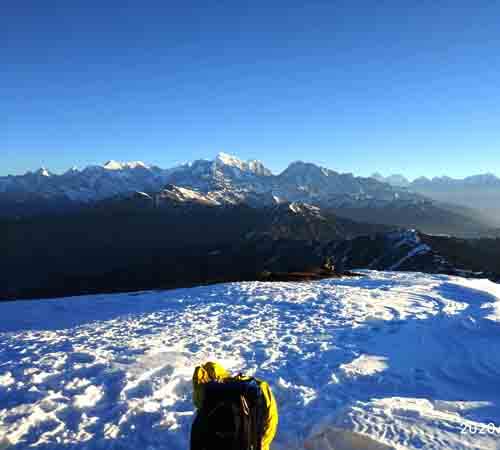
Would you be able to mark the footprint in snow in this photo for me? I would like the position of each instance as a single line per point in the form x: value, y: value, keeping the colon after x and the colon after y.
x: 81, y: 358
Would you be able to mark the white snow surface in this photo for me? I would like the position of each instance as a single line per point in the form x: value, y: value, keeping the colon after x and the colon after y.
x: 251, y: 165
x: 116, y: 165
x: 387, y: 360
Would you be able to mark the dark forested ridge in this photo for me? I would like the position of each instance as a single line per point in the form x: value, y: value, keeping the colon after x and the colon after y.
x: 108, y: 249
x: 120, y: 246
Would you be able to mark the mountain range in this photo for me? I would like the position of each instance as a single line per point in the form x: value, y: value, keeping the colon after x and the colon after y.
x: 481, y: 180
x: 227, y: 180
x: 131, y: 226
x: 481, y: 192
x: 231, y: 178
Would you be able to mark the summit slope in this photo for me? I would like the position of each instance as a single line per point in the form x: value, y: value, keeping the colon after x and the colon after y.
x: 404, y: 360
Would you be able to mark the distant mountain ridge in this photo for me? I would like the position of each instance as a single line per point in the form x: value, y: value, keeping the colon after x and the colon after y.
x: 481, y: 192
x: 228, y: 180
x: 226, y: 177
x: 398, y: 180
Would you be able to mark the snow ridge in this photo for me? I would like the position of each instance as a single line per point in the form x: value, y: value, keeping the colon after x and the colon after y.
x: 227, y: 178
x: 115, y: 165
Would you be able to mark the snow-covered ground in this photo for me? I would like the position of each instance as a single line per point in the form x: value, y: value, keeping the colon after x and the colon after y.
x: 407, y: 360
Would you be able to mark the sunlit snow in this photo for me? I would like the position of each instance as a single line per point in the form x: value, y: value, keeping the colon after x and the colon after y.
x: 389, y: 360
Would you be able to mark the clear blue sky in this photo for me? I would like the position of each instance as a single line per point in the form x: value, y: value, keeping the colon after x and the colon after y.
x: 358, y: 86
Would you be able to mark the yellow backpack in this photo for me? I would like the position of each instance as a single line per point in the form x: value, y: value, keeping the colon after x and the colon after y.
x: 213, y: 372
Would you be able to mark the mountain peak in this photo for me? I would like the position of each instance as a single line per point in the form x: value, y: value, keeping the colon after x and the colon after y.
x: 306, y: 168
x: 42, y: 171
x: 74, y: 169
x: 228, y: 160
x: 116, y: 165
x: 112, y: 165
x: 252, y: 165
x: 396, y: 180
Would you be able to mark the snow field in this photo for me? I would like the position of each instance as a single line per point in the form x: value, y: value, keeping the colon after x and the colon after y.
x: 389, y: 360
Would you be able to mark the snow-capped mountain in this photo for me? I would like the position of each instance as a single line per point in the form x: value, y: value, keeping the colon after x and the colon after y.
x: 115, y: 165
x: 300, y: 181
x: 396, y: 180
x: 226, y: 179
x: 224, y: 161
x: 90, y: 184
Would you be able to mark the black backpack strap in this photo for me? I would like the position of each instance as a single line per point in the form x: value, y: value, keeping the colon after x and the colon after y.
x: 256, y: 405
x: 232, y: 416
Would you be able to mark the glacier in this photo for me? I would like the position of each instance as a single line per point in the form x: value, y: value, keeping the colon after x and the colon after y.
x: 387, y: 360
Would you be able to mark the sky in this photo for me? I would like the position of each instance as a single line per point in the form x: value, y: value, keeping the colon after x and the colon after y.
x: 358, y: 86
